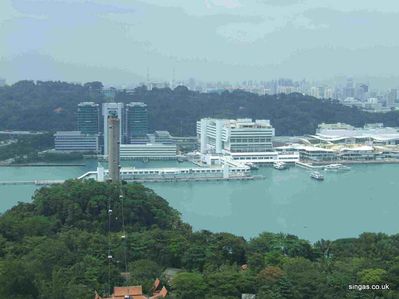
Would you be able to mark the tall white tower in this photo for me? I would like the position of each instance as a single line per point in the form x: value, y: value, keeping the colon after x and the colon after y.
x: 115, y: 109
x: 113, y: 148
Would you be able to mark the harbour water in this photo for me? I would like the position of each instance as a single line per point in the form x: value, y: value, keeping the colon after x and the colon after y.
x: 343, y: 205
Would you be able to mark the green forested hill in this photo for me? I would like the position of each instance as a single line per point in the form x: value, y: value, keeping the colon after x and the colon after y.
x: 57, y: 247
x: 27, y: 105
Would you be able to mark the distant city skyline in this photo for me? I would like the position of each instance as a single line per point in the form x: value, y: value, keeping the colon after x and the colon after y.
x: 209, y: 40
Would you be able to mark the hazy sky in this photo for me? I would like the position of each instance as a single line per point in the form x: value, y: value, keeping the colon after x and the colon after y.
x: 211, y: 40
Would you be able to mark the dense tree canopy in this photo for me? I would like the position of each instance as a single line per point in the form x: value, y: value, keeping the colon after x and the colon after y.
x: 57, y: 247
x: 26, y: 148
x: 52, y: 106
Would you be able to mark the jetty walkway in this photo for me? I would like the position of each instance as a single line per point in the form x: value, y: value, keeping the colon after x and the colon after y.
x: 32, y: 182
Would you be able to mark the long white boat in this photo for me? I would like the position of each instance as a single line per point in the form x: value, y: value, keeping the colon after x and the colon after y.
x: 280, y: 165
x: 336, y: 167
x: 252, y: 166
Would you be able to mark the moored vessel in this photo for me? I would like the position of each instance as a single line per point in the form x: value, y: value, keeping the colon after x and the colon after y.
x: 252, y: 166
x: 280, y: 165
x: 336, y: 167
x: 317, y: 176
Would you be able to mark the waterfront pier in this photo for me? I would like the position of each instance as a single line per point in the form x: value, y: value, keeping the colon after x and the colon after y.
x: 308, y: 166
x: 32, y: 182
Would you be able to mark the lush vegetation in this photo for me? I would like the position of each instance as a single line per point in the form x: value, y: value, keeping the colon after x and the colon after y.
x: 52, y: 106
x: 57, y: 247
x: 26, y: 148
x: 32, y: 149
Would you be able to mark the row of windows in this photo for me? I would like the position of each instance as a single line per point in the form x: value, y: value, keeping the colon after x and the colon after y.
x: 246, y: 140
x: 244, y: 145
x: 255, y: 158
x: 144, y: 151
x: 75, y: 147
x: 77, y: 139
x: 249, y: 149
x: 182, y: 171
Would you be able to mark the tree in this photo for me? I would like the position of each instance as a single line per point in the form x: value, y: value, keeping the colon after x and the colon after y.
x: 270, y: 275
x: 228, y: 281
x: 372, y: 276
x: 49, y: 105
x: 226, y: 248
x: 188, y: 285
x: 307, y: 280
x: 16, y: 281
x: 58, y: 247
x: 144, y: 272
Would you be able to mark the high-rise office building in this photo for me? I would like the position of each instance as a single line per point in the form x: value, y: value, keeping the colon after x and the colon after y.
x: 88, y: 118
x: 136, y: 124
x: 315, y: 92
x: 349, y: 90
x: 328, y: 93
x: 115, y: 109
x: 391, y: 98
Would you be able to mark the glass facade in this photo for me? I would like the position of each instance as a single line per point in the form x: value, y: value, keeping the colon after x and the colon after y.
x: 88, y: 118
x: 136, y: 120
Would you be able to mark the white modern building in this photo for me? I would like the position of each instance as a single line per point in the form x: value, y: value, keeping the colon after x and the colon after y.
x: 221, y: 136
x: 370, y: 134
x: 149, y: 151
x: 75, y: 141
x: 343, y: 142
x: 111, y: 109
x: 241, y: 139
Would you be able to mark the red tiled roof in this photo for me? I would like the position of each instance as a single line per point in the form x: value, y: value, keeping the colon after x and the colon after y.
x: 157, y: 282
x: 131, y: 291
x: 135, y: 292
x: 161, y: 294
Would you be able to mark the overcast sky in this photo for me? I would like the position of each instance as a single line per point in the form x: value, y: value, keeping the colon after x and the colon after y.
x: 211, y: 40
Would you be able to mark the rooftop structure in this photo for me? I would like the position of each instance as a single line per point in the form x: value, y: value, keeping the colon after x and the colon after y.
x: 109, y: 93
x: 163, y: 137
x: 136, y: 292
x: 339, y: 126
x: 369, y: 134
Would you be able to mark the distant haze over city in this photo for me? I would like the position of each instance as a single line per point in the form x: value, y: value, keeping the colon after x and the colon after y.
x: 210, y: 40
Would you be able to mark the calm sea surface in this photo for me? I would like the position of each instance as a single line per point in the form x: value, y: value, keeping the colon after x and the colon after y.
x: 344, y: 205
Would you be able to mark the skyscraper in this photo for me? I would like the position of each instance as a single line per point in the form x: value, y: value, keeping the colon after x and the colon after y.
x: 88, y: 118
x: 136, y: 124
x: 115, y: 109
x: 391, y: 98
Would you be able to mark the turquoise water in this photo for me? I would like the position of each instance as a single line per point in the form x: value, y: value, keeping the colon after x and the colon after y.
x: 344, y: 205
